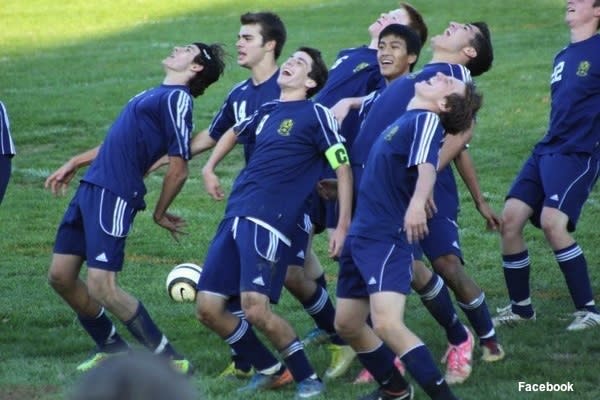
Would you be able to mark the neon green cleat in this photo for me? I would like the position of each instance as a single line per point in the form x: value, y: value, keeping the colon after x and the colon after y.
x: 97, y: 358
x: 233, y: 372
x: 341, y: 360
x: 182, y: 366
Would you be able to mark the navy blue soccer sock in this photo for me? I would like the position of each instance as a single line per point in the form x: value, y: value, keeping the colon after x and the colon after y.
x: 143, y: 328
x: 437, y: 300
x: 321, y: 310
x: 478, y: 314
x: 297, y: 362
x: 244, y: 342
x: 420, y: 364
x: 516, y: 269
x: 103, y: 332
x: 574, y: 268
x: 240, y: 361
x: 380, y: 364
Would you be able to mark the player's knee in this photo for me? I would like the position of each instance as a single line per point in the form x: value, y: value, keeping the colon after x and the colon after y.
x: 384, y: 327
x: 59, y: 281
x: 345, y: 325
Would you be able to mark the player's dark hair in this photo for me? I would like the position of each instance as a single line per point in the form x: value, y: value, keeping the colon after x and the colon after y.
x: 212, y: 58
x: 271, y: 28
x: 406, y: 33
x: 416, y: 21
x: 318, y: 70
x: 597, y: 4
x: 482, y: 43
x: 461, y: 110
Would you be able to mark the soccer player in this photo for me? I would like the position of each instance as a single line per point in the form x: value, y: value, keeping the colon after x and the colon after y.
x: 261, y: 38
x: 7, y: 151
x: 398, y: 51
x: 390, y: 216
x: 96, y: 224
x: 461, y: 50
x: 291, y: 137
x: 557, y: 178
x: 355, y: 73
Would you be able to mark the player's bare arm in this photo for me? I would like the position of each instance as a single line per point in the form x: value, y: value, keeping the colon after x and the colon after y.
x: 466, y: 169
x: 341, y: 109
x: 59, y: 180
x: 211, y: 180
x: 172, y: 183
x: 415, y: 219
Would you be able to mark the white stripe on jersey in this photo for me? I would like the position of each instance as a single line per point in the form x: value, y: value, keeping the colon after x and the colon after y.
x: 11, y: 145
x: 464, y: 73
x: 428, y: 129
x: 330, y: 123
x: 182, y: 107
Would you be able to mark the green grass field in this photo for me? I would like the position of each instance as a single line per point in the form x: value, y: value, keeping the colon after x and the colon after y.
x: 67, y: 68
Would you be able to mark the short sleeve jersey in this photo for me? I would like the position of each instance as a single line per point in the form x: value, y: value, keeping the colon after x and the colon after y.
x: 242, y: 101
x: 574, y: 125
x: 153, y: 123
x: 390, y: 105
x: 355, y: 73
x: 290, y: 141
x: 7, y: 146
x: 390, y: 175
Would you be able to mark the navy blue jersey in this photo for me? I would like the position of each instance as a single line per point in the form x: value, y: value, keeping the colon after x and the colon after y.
x: 242, y: 101
x: 392, y: 102
x: 355, y: 73
x: 153, y: 123
x: 575, y: 109
x: 290, y: 141
x: 7, y: 147
x: 390, y: 175
x: 390, y: 105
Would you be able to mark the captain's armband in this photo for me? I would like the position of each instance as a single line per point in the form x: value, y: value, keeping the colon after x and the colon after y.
x: 337, y: 155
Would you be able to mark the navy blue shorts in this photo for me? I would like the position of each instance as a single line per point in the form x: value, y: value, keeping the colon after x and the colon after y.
x: 95, y: 227
x: 5, y: 170
x: 561, y: 181
x: 368, y: 266
x: 442, y: 239
x: 244, y: 257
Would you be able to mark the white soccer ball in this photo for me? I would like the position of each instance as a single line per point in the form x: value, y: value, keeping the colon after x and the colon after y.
x: 181, y: 282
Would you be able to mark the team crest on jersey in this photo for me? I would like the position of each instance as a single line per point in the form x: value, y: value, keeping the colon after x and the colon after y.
x: 285, y: 127
x: 390, y: 133
x: 583, y: 68
x: 360, y: 67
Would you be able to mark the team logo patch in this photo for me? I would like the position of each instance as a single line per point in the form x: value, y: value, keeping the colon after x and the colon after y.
x: 390, y: 133
x: 583, y: 68
x: 360, y: 67
x: 285, y: 127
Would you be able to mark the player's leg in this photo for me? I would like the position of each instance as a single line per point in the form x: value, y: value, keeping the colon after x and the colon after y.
x: 5, y: 171
x: 524, y: 197
x: 216, y: 289
x: 350, y: 320
x: 316, y: 301
x: 261, y: 259
x: 570, y: 178
x: 63, y: 276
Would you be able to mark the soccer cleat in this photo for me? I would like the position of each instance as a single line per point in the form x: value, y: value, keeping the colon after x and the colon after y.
x: 507, y: 317
x: 381, y: 394
x: 583, y: 320
x: 365, y: 376
x: 265, y: 382
x: 310, y: 387
x: 234, y: 372
x: 316, y: 337
x: 96, y: 358
x: 458, y: 360
x: 341, y: 360
x: 492, y: 352
x: 182, y: 366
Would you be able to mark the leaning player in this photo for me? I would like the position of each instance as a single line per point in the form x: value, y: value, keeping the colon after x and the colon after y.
x: 291, y: 136
x: 390, y: 217
x: 96, y: 224
x: 557, y: 178
x: 261, y: 38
